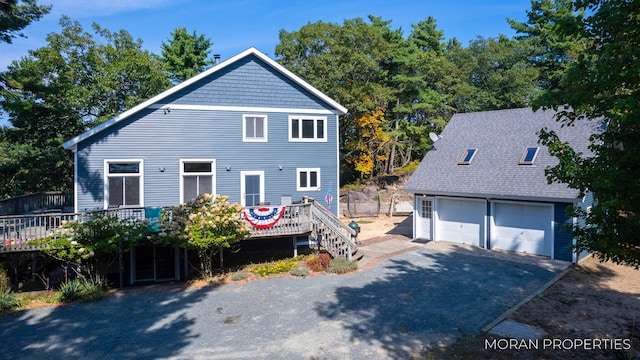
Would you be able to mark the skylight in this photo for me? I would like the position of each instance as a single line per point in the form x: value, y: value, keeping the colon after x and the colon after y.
x: 467, y: 157
x: 529, y: 156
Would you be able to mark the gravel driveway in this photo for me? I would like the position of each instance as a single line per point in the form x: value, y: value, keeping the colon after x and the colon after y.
x: 402, y: 306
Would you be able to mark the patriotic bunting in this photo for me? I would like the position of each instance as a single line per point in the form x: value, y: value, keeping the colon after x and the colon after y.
x: 264, y: 217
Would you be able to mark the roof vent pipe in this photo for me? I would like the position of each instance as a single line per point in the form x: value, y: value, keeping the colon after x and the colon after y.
x: 216, y: 59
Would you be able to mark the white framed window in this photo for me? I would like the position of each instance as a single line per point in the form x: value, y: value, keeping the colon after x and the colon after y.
x: 197, y: 177
x: 467, y: 157
x: 123, y: 183
x: 255, y: 128
x: 307, y: 128
x: 251, y: 188
x: 308, y: 179
x: 529, y: 156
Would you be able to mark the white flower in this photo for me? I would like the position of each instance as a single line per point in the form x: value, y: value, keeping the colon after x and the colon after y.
x: 74, y: 243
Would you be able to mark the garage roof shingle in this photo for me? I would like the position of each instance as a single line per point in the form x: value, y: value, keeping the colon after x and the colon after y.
x: 500, y: 137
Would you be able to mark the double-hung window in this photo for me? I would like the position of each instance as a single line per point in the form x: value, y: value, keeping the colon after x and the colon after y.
x: 307, y: 128
x: 197, y: 177
x: 308, y: 179
x: 123, y: 183
x: 254, y: 128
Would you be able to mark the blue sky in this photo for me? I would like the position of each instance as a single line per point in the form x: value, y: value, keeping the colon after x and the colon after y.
x: 236, y: 25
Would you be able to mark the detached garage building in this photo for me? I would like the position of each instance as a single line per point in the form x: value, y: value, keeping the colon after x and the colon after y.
x: 483, y: 184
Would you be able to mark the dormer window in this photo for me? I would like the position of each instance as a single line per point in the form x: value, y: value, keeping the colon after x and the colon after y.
x: 467, y: 157
x: 529, y: 156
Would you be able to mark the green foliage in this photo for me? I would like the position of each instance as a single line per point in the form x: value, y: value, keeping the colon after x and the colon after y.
x: 94, y: 242
x: 185, y: 55
x: 91, y: 289
x: 15, y: 15
x: 207, y: 224
x: 341, y: 265
x: 8, y: 300
x: 277, y: 268
x: 602, y: 83
x: 55, y: 93
x: 551, y: 49
x: 299, y: 271
x: 5, y: 281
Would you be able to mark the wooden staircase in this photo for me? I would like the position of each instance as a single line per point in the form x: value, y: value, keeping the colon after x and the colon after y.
x: 332, y: 234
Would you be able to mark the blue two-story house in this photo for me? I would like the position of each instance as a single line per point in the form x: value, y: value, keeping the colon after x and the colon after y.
x: 247, y: 128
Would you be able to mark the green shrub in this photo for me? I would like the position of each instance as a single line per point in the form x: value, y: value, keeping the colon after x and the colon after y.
x: 239, y: 276
x: 71, y: 290
x: 277, y: 268
x: 341, y: 266
x: 5, y: 281
x: 299, y: 271
x: 8, y: 300
x: 83, y: 289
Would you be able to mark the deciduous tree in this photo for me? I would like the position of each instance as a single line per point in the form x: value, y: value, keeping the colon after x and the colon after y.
x: 603, y: 83
x: 77, y: 81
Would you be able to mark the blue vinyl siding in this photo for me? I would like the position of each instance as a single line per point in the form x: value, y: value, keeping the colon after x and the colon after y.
x: 489, y: 222
x: 249, y: 83
x: 562, y: 247
x: 162, y: 138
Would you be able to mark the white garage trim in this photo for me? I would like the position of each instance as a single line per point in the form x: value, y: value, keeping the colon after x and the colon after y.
x: 467, y: 225
x: 547, y: 220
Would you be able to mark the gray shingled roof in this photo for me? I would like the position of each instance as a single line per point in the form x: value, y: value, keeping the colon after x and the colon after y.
x: 501, y: 138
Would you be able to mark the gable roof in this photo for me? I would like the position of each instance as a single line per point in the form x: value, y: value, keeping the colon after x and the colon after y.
x: 341, y: 110
x: 501, y: 138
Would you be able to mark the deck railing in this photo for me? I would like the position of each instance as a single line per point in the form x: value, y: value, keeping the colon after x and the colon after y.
x: 23, y: 232
x: 36, y: 202
x: 296, y: 220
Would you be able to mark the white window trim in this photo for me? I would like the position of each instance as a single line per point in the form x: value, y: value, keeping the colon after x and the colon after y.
x: 254, y: 139
x: 106, y: 179
x: 182, y: 173
x: 242, y: 185
x: 524, y: 155
x: 307, y: 170
x: 466, y: 153
x: 307, y: 117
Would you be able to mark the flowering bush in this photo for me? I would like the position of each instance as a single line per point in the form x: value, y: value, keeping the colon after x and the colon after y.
x: 277, y: 268
x: 207, y: 224
x: 92, y: 245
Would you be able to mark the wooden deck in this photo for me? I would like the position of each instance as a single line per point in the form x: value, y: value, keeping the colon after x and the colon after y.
x: 22, y: 233
x: 19, y: 233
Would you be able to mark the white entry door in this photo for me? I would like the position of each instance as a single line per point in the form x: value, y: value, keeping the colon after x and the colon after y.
x: 461, y: 220
x: 424, y: 223
x: 251, y: 187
